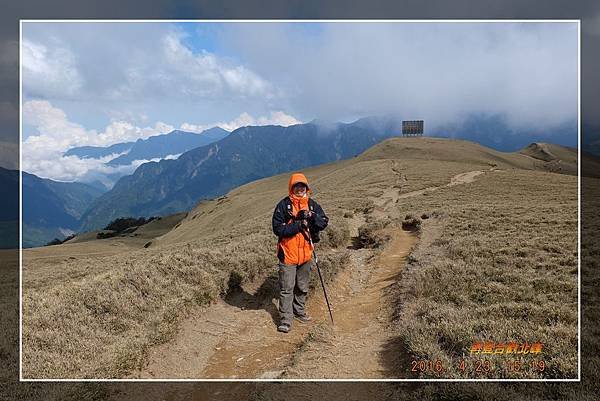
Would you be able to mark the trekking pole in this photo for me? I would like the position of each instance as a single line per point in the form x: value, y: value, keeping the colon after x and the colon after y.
x: 321, y: 277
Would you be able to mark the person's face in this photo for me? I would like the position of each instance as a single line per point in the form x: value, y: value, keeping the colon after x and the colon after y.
x: 299, y: 189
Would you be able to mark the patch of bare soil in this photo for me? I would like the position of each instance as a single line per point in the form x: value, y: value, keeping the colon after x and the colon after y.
x: 458, y: 179
x: 359, y: 344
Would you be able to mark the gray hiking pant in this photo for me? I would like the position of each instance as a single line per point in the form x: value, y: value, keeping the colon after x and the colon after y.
x: 293, y: 288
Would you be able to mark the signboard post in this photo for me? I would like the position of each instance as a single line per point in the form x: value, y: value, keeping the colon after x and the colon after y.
x: 412, y: 128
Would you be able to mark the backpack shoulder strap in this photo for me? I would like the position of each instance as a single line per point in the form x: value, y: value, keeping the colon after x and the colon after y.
x: 311, y: 204
x: 288, y: 205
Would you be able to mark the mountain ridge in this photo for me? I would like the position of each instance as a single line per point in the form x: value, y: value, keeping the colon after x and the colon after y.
x: 246, y: 154
x: 51, y: 208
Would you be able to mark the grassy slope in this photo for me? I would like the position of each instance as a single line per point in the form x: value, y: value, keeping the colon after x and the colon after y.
x: 84, y: 255
x: 101, y: 323
x: 143, y: 234
x: 500, y: 265
x: 345, y: 185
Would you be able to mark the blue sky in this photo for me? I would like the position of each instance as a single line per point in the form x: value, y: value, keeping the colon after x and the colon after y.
x: 103, y: 83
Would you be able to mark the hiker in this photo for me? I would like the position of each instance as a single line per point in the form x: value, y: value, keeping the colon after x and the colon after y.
x: 296, y: 217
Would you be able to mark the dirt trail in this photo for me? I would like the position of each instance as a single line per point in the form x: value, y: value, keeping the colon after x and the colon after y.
x: 458, y: 179
x: 237, y: 337
x: 360, y: 344
x: 266, y: 353
x: 391, y: 195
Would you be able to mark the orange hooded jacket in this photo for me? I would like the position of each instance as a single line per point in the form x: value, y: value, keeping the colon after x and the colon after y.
x: 296, y: 249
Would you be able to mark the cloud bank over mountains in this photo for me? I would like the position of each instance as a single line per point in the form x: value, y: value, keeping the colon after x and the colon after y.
x: 437, y: 71
x: 334, y: 71
x: 54, y: 134
x: 102, y: 83
x: 244, y: 120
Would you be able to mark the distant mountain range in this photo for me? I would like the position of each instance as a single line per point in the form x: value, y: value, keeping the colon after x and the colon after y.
x: 230, y: 160
x: 495, y: 132
x: 97, y: 152
x: 125, y: 154
x: 52, y: 209
x: 173, y: 143
x: 158, y: 146
x: 247, y: 154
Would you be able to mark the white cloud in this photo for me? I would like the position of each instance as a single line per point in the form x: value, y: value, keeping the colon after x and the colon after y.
x: 57, y: 132
x: 197, y: 128
x: 128, y: 115
x: 43, y: 151
x: 244, y: 120
x: 72, y: 168
x: 123, y: 131
x: 129, y: 62
x: 49, y: 72
x: 437, y: 71
x: 54, y: 134
x: 63, y: 168
x: 138, y: 162
x: 278, y: 118
x: 333, y: 71
x: 199, y: 75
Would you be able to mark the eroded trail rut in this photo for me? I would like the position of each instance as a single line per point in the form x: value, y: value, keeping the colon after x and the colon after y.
x: 359, y: 344
x: 237, y: 336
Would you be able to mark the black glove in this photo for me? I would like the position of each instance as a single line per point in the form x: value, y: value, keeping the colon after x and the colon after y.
x: 304, y: 215
x: 304, y: 224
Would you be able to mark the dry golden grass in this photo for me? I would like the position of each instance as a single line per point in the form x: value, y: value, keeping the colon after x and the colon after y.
x: 96, y: 316
x: 349, y: 185
x: 586, y: 390
x: 10, y: 387
x: 102, y: 325
x: 499, y: 265
x: 99, y: 315
x: 85, y: 255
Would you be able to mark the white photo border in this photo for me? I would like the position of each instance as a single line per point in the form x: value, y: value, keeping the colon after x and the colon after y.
x: 430, y: 380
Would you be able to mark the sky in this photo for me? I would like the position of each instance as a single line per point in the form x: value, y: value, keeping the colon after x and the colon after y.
x: 104, y: 83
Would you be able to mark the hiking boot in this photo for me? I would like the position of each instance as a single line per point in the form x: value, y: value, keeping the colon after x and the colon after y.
x: 284, y: 328
x: 303, y: 318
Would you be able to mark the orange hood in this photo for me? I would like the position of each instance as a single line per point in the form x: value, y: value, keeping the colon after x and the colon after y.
x: 296, y: 178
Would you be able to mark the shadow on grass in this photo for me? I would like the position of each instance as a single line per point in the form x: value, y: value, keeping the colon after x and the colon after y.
x: 261, y: 299
x: 397, y: 360
x: 355, y: 243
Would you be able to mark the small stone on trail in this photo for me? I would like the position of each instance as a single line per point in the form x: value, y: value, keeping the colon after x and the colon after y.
x: 274, y: 374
